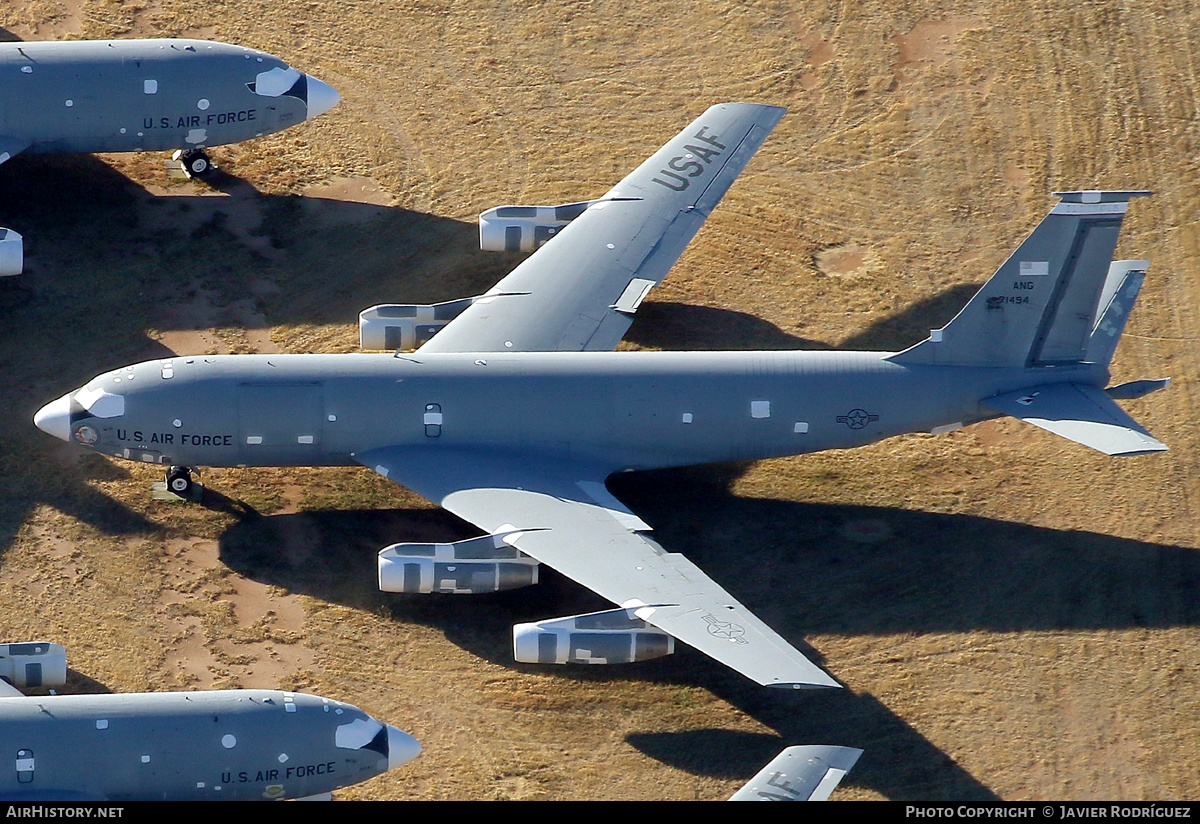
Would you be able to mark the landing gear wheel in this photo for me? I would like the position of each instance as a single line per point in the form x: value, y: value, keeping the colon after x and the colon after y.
x: 196, y: 163
x: 179, y: 481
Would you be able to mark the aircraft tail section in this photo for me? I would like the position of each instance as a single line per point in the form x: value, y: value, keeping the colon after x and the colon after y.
x: 1058, y: 299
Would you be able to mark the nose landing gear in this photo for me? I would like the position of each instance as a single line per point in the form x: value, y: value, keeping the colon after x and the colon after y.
x: 196, y: 162
x: 180, y: 481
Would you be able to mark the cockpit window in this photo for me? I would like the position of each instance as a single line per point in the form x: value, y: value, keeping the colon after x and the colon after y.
x: 101, y: 404
x: 281, y: 82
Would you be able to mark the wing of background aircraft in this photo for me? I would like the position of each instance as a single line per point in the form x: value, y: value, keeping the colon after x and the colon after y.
x: 579, y: 292
x: 809, y: 773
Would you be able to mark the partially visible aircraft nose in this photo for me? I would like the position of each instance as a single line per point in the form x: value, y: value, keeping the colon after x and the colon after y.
x: 321, y: 97
x: 55, y: 418
x: 402, y: 747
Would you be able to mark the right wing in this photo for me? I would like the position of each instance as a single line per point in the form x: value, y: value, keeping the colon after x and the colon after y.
x: 580, y: 290
x: 800, y: 774
x: 560, y: 513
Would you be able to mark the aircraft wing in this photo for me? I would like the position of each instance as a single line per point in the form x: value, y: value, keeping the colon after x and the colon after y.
x: 580, y: 290
x: 7, y: 690
x: 568, y: 520
x: 11, y: 146
x: 809, y: 773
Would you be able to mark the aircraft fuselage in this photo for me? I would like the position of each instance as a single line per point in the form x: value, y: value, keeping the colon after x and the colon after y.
x: 615, y: 410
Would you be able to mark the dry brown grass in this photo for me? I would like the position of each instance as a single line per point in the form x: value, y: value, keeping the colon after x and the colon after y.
x: 1013, y: 616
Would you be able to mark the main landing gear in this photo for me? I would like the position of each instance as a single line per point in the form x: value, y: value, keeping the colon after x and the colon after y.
x: 196, y: 162
x: 180, y: 481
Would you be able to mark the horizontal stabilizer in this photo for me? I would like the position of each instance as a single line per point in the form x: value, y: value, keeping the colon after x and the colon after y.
x: 800, y: 774
x: 1080, y: 413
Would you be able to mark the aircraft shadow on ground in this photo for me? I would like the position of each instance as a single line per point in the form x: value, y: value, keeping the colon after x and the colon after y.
x: 679, y: 326
x: 803, y: 568
x: 898, y: 762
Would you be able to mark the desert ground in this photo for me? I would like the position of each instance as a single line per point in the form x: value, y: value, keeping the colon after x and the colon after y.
x: 1013, y: 616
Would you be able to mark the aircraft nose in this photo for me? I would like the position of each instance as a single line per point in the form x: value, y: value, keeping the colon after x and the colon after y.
x: 321, y: 97
x: 402, y: 747
x: 55, y: 418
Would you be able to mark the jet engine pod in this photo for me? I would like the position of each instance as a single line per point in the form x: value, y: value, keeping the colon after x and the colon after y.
x: 484, y: 564
x: 34, y: 664
x: 12, y: 253
x: 395, y: 326
x: 612, y: 637
x: 525, y: 228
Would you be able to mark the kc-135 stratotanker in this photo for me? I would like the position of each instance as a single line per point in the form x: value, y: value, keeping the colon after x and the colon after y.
x: 144, y: 95
x: 514, y: 410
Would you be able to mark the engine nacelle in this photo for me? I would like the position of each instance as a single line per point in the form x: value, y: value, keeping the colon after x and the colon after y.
x: 34, y: 664
x: 477, y: 565
x: 407, y: 327
x: 612, y: 637
x: 525, y: 228
x: 12, y: 253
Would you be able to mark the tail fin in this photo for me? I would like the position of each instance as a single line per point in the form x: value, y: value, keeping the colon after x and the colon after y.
x: 1058, y: 299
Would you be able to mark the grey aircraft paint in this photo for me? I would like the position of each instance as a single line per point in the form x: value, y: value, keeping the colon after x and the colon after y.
x: 218, y: 744
x: 144, y: 95
x: 490, y: 422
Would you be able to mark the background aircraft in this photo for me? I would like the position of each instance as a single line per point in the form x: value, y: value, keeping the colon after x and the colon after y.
x: 215, y: 744
x: 488, y: 420
x: 144, y: 95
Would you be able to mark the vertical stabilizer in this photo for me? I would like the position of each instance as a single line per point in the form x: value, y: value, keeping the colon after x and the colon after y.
x: 1044, y: 302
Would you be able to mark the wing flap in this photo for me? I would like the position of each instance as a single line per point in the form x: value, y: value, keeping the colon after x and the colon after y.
x: 567, y: 294
x: 1079, y: 413
x: 564, y: 517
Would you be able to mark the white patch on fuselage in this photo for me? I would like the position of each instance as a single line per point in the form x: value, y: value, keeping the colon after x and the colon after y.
x: 195, y: 136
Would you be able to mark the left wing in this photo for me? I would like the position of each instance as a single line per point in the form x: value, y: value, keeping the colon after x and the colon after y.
x: 580, y: 290
x: 564, y: 517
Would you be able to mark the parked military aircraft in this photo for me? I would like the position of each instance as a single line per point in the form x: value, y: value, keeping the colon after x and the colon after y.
x: 219, y: 744
x: 513, y: 415
x: 144, y: 95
